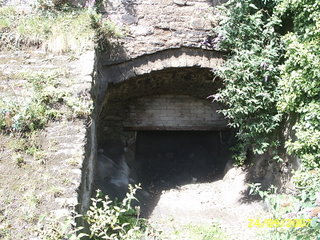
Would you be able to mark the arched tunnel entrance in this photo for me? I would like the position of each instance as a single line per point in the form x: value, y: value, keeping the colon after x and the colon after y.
x: 160, y: 130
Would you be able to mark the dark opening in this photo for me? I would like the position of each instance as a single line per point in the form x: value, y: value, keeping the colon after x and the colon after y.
x: 172, y: 158
x: 142, y: 140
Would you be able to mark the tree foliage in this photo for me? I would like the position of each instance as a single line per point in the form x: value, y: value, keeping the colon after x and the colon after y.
x: 251, y: 74
x: 272, y: 75
x: 272, y: 72
x: 300, y: 78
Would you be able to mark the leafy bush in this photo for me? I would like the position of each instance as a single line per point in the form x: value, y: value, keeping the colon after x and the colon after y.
x: 25, y: 115
x: 247, y: 30
x: 50, y: 228
x: 303, y: 204
x: 106, y: 220
x: 272, y: 74
x: 300, y: 79
x: 114, y: 220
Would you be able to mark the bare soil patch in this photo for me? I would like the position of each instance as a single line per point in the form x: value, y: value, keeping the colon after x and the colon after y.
x: 203, y: 204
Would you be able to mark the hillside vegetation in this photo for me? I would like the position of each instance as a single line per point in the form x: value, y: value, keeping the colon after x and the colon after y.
x: 272, y: 90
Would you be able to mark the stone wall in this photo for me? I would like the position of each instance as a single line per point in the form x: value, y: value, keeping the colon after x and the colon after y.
x: 192, y: 85
x: 171, y: 112
x: 158, y: 34
x: 59, y: 179
x: 143, y: 65
x: 154, y: 25
x: 159, y: 71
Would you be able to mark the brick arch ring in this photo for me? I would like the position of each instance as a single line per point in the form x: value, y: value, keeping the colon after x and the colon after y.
x: 169, y: 58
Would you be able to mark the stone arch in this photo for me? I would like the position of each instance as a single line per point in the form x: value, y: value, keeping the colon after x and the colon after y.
x: 163, y: 92
x: 181, y: 88
x: 170, y: 58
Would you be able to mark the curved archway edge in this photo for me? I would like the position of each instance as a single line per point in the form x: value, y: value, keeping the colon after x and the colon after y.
x: 170, y: 58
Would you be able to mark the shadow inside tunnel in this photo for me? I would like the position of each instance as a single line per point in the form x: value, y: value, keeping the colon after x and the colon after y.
x: 172, y: 159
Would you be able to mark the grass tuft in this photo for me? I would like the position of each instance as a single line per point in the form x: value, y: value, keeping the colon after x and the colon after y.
x: 56, y: 32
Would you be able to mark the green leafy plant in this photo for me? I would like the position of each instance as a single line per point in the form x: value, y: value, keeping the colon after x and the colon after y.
x: 28, y: 115
x: 48, y: 101
x: 300, y: 79
x: 271, y: 75
x: 247, y: 30
x: 271, y: 78
x: 304, y: 203
x: 115, y: 220
x: 50, y: 228
x: 106, y: 219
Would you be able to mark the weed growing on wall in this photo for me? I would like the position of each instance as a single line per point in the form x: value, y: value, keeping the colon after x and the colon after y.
x: 53, y: 31
x: 21, y: 115
x: 248, y: 31
x: 104, y: 31
x: 47, y: 100
x: 272, y: 74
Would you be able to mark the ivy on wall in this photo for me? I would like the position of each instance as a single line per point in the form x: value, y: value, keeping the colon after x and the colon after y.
x: 272, y: 72
x: 251, y: 74
x: 272, y: 76
x: 300, y: 78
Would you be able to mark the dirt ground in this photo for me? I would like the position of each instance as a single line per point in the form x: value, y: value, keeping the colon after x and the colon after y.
x: 223, y: 202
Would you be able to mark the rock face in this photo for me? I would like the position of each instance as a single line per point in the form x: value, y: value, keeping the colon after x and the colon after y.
x: 58, y: 177
x: 112, y: 175
x: 157, y: 35
x: 156, y: 25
